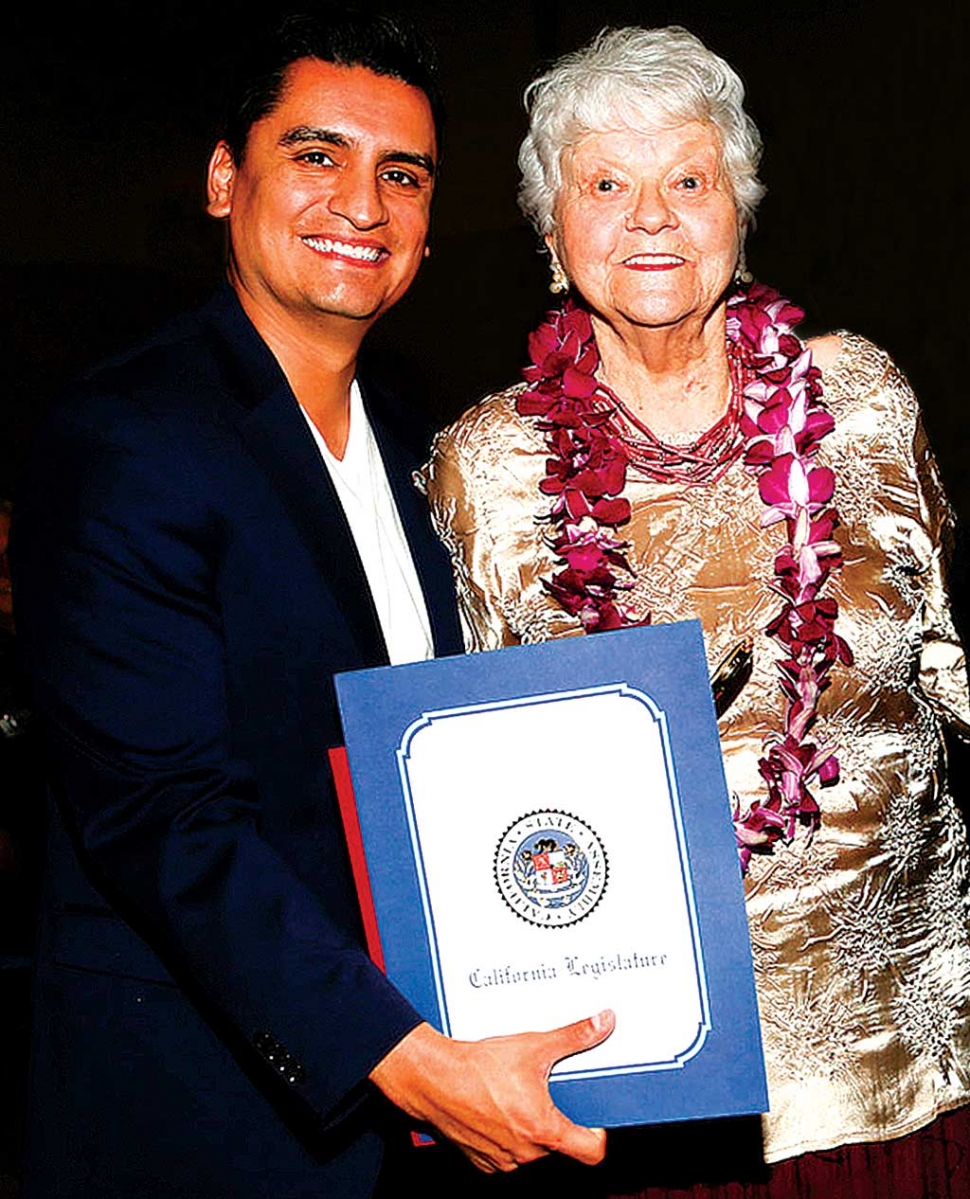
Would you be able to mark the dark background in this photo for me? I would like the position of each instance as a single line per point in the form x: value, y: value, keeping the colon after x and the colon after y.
x: 112, y: 108
x: 109, y: 111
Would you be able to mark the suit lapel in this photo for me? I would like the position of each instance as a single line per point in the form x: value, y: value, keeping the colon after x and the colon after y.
x: 429, y: 556
x: 277, y: 436
x: 275, y: 433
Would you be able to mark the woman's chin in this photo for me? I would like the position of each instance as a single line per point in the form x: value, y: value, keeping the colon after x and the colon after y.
x: 659, y: 306
x: 656, y: 315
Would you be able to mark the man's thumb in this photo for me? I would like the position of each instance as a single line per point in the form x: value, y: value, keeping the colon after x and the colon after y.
x: 584, y: 1034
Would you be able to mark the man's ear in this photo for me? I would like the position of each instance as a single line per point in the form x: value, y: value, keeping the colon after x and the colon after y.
x: 220, y: 178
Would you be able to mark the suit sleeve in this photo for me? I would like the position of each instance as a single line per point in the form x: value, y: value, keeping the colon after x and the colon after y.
x: 115, y: 556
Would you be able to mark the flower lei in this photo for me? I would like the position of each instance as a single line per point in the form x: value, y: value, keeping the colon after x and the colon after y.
x: 783, y: 422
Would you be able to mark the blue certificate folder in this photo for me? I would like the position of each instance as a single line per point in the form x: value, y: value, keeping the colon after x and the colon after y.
x: 547, y: 833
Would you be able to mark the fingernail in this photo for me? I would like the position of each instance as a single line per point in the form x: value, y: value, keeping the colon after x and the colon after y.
x: 602, y: 1020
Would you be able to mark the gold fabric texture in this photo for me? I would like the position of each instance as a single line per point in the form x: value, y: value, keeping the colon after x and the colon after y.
x: 861, y: 936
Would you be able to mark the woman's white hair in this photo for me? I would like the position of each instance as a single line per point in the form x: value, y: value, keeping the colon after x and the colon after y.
x: 634, y: 78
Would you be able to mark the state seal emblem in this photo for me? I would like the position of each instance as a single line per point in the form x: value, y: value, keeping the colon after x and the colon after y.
x: 551, y: 868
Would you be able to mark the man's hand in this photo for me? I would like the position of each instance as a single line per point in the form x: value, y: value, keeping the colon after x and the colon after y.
x: 491, y: 1097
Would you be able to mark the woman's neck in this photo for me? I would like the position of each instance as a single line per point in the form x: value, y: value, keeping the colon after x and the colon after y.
x: 674, y: 380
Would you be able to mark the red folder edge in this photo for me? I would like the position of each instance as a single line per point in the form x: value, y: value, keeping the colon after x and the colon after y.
x: 344, y: 785
x: 340, y: 766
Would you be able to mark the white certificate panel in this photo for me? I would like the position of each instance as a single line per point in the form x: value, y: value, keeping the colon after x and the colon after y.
x: 554, y: 880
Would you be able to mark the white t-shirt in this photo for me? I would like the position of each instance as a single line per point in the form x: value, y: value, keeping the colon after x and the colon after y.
x: 360, y: 481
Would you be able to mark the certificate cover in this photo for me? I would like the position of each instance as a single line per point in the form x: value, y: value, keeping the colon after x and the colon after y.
x: 547, y: 832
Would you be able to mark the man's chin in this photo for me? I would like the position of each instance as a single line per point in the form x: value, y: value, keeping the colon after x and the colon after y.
x: 357, y: 311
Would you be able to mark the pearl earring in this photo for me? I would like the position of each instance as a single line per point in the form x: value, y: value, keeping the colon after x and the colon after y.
x: 559, y: 284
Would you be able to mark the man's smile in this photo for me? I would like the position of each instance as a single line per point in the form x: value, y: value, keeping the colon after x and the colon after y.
x: 359, y: 252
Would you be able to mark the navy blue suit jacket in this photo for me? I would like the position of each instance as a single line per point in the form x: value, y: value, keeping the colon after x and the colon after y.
x: 186, y: 587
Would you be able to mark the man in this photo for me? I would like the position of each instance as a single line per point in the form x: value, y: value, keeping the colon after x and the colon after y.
x: 213, y: 526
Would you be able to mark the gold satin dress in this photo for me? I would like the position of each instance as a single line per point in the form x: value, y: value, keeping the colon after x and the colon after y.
x: 860, y: 935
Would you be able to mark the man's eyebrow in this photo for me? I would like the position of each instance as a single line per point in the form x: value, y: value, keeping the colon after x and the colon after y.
x: 424, y: 161
x: 308, y: 133
x: 301, y: 134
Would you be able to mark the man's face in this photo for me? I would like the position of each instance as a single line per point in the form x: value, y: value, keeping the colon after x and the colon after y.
x: 328, y: 213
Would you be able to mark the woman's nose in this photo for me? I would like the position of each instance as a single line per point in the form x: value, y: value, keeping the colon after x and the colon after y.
x: 650, y: 210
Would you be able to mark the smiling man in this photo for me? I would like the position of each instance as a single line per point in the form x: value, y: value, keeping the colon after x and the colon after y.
x: 213, y: 525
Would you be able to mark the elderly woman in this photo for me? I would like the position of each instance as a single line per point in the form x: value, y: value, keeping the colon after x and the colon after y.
x: 677, y: 452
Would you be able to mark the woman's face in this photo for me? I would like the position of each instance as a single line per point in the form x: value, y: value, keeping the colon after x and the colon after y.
x: 646, y: 225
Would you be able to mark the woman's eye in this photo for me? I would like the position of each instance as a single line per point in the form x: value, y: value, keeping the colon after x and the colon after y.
x: 606, y: 185
x: 691, y: 183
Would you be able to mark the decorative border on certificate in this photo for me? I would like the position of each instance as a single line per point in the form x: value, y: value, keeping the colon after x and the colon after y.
x: 544, y: 831
x: 549, y: 870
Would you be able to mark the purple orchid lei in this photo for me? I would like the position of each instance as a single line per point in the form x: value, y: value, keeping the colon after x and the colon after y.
x: 783, y: 422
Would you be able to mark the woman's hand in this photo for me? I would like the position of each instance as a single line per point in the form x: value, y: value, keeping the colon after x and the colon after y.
x: 491, y: 1097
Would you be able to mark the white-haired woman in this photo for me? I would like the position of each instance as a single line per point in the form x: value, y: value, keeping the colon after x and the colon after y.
x: 675, y: 452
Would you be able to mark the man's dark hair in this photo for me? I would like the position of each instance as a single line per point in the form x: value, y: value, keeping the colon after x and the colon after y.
x: 384, y: 44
